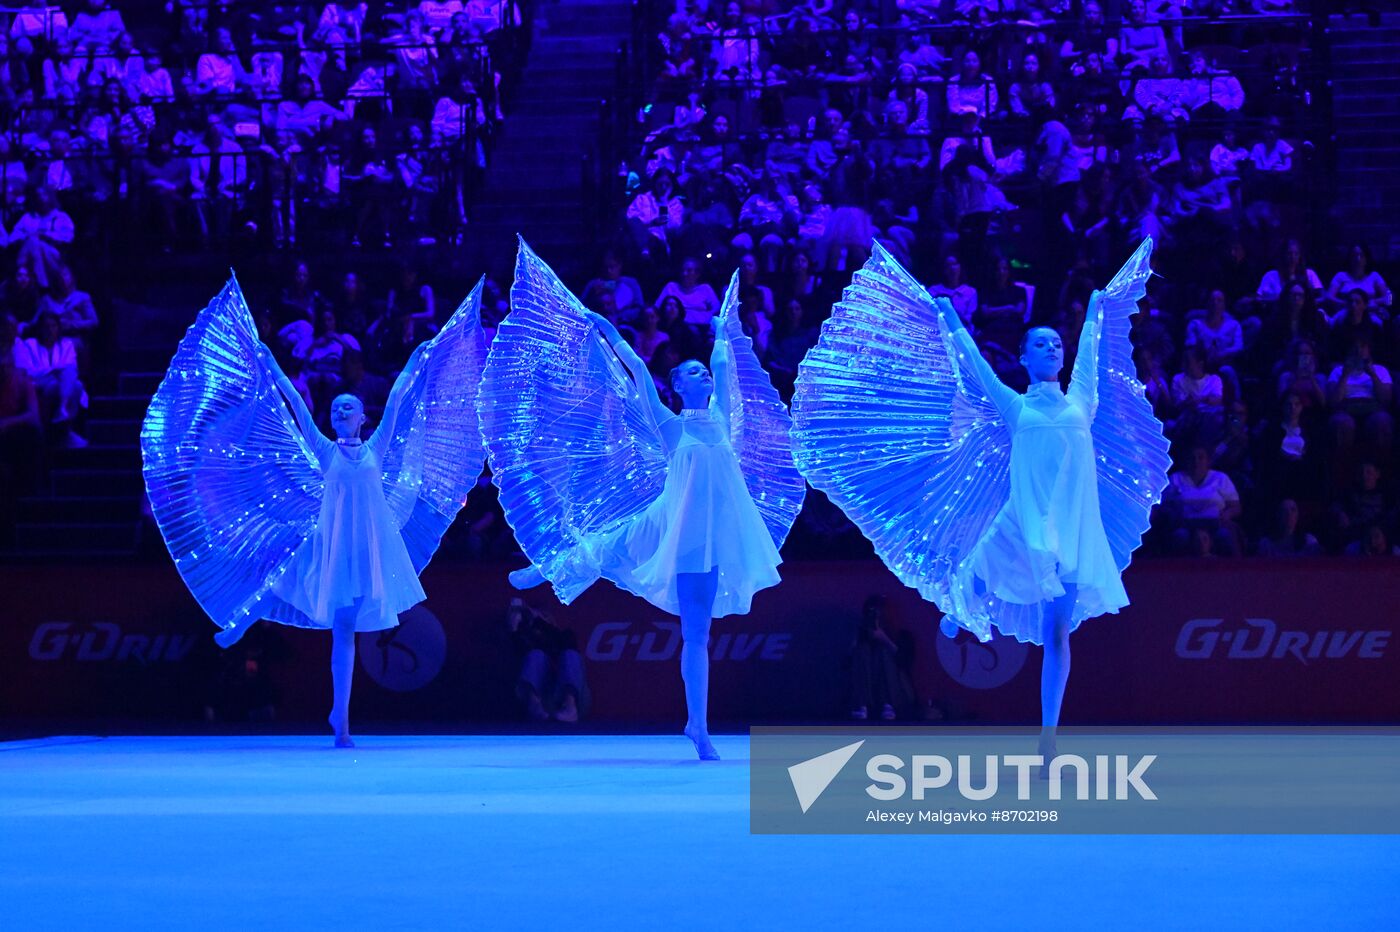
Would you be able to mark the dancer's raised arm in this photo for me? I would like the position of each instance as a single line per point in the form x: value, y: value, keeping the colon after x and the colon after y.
x: 720, y: 363
x: 306, y: 421
x: 392, y: 406
x: 1084, y: 384
x: 634, y: 363
x: 975, y: 366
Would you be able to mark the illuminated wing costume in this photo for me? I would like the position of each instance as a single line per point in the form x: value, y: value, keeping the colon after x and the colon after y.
x: 968, y: 490
x: 587, y: 478
x: 265, y: 517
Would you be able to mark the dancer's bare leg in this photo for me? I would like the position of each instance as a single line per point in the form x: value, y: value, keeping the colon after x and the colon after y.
x: 342, y: 674
x: 696, y: 592
x: 1054, y: 669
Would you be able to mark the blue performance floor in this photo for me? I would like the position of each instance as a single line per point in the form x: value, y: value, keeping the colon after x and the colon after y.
x: 581, y: 832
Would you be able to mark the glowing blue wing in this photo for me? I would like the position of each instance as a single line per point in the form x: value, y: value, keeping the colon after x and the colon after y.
x: 430, y: 449
x: 889, y: 425
x: 1132, y: 451
x: 233, y: 485
x: 571, y: 441
x: 760, y: 428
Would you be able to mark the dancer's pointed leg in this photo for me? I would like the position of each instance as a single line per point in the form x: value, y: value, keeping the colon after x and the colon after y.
x: 1054, y: 672
x: 697, y: 599
x: 342, y: 675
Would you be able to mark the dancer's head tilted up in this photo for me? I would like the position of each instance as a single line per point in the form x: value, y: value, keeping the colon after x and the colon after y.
x: 693, y: 382
x: 347, y: 417
x: 1042, y: 354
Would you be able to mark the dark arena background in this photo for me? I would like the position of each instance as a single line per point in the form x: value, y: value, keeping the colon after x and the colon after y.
x: 361, y: 165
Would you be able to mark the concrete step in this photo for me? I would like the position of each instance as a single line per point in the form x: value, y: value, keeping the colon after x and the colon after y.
x: 96, y: 509
x: 100, y: 456
x: 119, y: 407
x: 77, y: 538
x: 519, y: 211
x: 118, y: 432
x: 565, y: 98
x: 106, y: 483
x: 567, y: 178
x: 1367, y: 162
x: 139, y: 383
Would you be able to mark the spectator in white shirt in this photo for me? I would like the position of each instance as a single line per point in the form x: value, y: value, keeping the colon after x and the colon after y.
x: 42, y: 234
x: 97, y: 27
x: 41, y: 21
x: 1359, y: 392
x: 1217, y: 333
x: 1198, y: 397
x: 1209, y: 91
x: 76, y: 316
x: 971, y: 88
x: 52, y: 363
x: 1227, y: 155
x: 1202, y: 500
x: 1272, y: 154
x: 1291, y: 269
x: 697, y: 298
x: 221, y: 70
x: 1359, y: 274
x: 1140, y: 40
x: 304, y: 116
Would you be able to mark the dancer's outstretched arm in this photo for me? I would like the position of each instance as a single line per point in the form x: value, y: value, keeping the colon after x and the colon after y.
x: 976, y: 367
x: 411, y: 372
x: 720, y: 363
x: 1084, y: 386
x: 638, y: 368
x: 306, y: 421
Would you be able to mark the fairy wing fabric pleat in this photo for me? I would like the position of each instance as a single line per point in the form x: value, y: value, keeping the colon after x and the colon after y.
x: 888, y: 426
x: 233, y: 486
x: 760, y: 428
x: 429, y: 447
x: 572, y: 444
x: 1132, y: 451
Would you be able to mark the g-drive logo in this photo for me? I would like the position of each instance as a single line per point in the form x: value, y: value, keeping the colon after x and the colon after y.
x: 619, y: 640
x: 1260, y: 638
x: 100, y: 641
x: 1113, y: 776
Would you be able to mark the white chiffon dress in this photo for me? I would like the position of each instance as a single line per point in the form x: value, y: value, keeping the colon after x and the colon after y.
x: 356, y: 555
x: 1050, y: 532
x: 703, y: 520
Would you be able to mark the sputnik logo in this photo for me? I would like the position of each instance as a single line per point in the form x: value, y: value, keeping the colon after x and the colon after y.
x: 811, y: 777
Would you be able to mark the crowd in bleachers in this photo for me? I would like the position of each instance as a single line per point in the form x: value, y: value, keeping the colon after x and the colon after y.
x: 146, y: 130
x: 1012, y: 153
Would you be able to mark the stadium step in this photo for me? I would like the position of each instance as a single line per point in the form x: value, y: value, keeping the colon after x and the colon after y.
x: 98, y: 510
x: 119, y: 407
x: 1366, y: 123
x: 77, y: 538
x: 107, y: 483
x: 139, y: 383
x: 112, y: 432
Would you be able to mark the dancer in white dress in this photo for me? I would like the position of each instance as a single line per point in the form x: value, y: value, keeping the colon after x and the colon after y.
x: 267, y: 518
x: 1009, y: 511
x: 687, y: 511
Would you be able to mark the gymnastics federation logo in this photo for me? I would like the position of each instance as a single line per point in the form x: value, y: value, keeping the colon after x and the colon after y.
x: 408, y: 657
x: 981, y: 666
x: 811, y: 777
